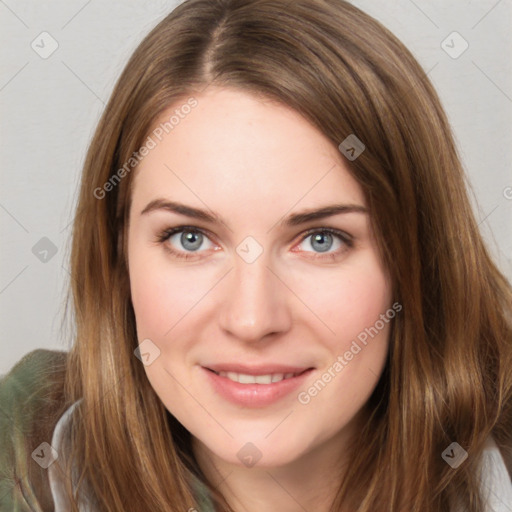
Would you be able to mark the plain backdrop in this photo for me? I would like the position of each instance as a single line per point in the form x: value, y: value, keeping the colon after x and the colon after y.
x: 50, y: 106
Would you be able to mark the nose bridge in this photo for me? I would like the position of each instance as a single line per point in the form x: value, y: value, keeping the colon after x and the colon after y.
x: 255, y: 302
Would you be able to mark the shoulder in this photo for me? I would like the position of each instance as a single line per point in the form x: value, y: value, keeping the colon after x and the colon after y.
x: 35, y: 365
x: 496, y: 483
x: 29, y: 387
x: 31, y: 399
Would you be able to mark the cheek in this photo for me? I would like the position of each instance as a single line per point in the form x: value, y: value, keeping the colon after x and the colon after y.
x: 349, y: 299
x: 356, y: 305
x: 152, y: 294
x: 163, y: 293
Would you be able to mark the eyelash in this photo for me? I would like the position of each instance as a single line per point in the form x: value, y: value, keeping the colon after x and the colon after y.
x: 344, y: 237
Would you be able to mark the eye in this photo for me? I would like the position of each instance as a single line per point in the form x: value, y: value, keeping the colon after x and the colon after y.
x: 184, y: 241
x: 324, y: 239
x: 187, y: 241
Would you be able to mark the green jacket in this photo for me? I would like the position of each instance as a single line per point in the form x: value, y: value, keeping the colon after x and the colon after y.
x: 30, y: 406
x: 26, y: 397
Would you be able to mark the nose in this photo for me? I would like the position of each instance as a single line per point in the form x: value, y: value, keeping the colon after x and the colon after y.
x: 255, y: 303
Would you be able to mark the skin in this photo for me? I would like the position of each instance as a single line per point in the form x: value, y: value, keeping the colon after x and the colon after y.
x: 252, y: 162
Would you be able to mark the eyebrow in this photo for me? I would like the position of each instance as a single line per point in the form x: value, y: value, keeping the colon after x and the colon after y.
x: 294, y: 219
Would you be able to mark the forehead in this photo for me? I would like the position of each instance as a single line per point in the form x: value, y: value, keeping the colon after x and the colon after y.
x: 235, y: 151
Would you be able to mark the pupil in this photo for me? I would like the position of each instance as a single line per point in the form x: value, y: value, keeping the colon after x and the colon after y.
x: 191, y: 241
x: 321, y: 239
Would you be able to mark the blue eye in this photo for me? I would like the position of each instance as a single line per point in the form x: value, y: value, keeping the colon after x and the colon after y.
x: 323, y: 240
x: 192, y: 239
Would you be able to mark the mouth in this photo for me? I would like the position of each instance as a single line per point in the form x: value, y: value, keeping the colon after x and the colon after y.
x: 265, y: 378
x: 255, y: 387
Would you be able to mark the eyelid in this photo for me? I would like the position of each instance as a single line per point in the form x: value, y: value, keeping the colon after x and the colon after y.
x: 345, y: 237
x: 167, y: 233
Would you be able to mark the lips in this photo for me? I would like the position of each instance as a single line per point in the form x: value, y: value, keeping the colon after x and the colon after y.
x: 268, y: 378
x: 255, y: 386
x: 256, y: 369
x: 263, y: 374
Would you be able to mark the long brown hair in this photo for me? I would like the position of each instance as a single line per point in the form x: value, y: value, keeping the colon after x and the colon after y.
x: 448, y: 375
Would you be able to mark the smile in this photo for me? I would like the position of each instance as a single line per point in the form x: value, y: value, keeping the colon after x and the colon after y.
x: 258, y: 389
x: 244, y: 378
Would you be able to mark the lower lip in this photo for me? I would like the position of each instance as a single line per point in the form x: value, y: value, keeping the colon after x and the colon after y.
x: 254, y: 395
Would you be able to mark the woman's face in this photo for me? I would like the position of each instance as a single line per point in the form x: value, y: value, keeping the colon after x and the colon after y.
x: 232, y: 271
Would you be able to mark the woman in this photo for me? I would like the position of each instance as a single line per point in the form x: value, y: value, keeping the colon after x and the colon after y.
x: 282, y: 300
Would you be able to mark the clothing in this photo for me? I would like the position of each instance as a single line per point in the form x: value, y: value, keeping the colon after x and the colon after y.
x: 496, y: 483
x: 26, y: 394
x: 57, y: 487
x: 21, y: 404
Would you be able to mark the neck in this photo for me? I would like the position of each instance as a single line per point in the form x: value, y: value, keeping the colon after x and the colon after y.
x: 309, y: 482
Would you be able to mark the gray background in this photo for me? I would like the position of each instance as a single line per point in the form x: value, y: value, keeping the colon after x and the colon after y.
x: 49, y: 108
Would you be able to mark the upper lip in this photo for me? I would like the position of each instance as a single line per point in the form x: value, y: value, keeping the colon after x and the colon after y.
x: 263, y: 369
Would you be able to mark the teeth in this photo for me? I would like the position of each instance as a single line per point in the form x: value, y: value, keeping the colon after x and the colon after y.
x: 243, y: 378
x: 263, y: 379
x: 246, y: 379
